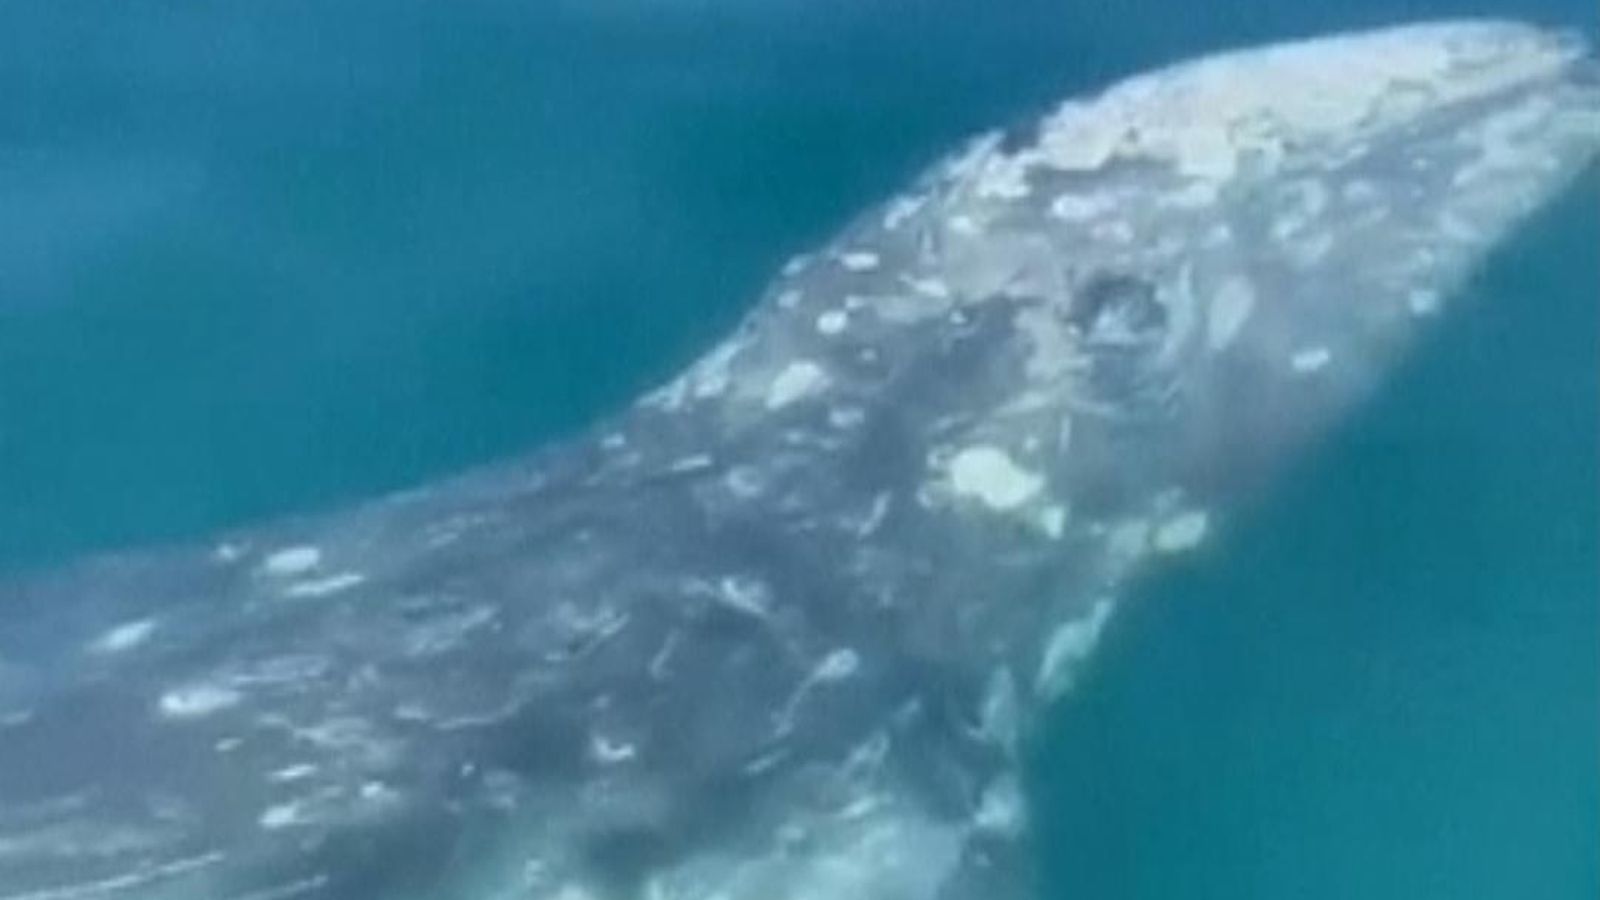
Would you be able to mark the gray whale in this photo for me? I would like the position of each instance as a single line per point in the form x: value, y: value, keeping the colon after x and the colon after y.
x: 779, y: 631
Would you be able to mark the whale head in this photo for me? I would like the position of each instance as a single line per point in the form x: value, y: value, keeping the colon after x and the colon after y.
x: 1085, y: 340
x: 1229, y: 252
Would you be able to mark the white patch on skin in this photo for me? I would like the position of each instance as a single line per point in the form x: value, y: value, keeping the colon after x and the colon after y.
x: 1001, y: 809
x: 928, y: 287
x: 875, y: 515
x: 743, y: 481
x: 14, y: 719
x: 198, y: 701
x: 696, y: 462
x: 1128, y: 540
x: 1422, y: 302
x: 123, y: 637
x: 846, y: 416
x: 1230, y: 308
x: 1067, y: 648
x: 1503, y: 142
x: 836, y: 666
x: 833, y: 322
x: 669, y: 396
x: 228, y: 552
x: 1213, y: 117
x: 324, y: 587
x: 284, y: 815
x: 129, y: 883
x: 292, y: 561
x: 293, y: 773
x: 1183, y: 531
x: 1311, y: 359
x: 789, y: 299
x: 379, y: 794
x: 1000, y: 718
x: 861, y: 261
x: 608, y: 752
x: 1002, y: 178
x: 987, y: 473
x: 797, y: 381
x: 1080, y: 207
x: 1053, y: 519
x: 744, y: 595
x: 712, y: 373
x: 900, y: 209
x: 965, y: 225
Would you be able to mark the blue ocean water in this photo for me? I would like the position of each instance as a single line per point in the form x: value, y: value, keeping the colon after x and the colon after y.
x: 258, y: 258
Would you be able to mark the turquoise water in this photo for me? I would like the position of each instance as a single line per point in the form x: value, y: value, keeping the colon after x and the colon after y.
x: 263, y: 257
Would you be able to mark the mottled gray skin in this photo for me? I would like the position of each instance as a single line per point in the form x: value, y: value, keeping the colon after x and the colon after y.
x: 777, y: 631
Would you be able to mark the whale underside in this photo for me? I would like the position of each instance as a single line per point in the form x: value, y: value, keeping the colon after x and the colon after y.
x: 781, y: 629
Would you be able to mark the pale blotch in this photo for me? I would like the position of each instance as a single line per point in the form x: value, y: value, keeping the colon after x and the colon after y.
x: 745, y: 595
x: 1079, y: 207
x: 608, y: 752
x: 900, y: 209
x: 836, y: 666
x: 324, y: 587
x: 1128, y: 541
x: 927, y: 287
x: 743, y: 481
x: 797, y: 381
x: 694, y: 462
x: 124, y: 637
x: 198, y: 701
x: 1183, y: 531
x: 846, y: 416
x: 1002, y: 809
x: 284, y: 815
x: 1053, y: 520
x: 289, y: 774
x: 860, y: 261
x: 1000, y: 717
x: 1230, y: 308
x: 292, y: 561
x: 1068, y: 646
x: 1310, y: 360
x: 988, y: 474
x: 833, y: 322
x: 1423, y: 302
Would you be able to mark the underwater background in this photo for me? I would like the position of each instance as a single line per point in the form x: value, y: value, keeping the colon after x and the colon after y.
x: 263, y: 257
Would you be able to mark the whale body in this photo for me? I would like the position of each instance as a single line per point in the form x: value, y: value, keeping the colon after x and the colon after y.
x: 780, y: 630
